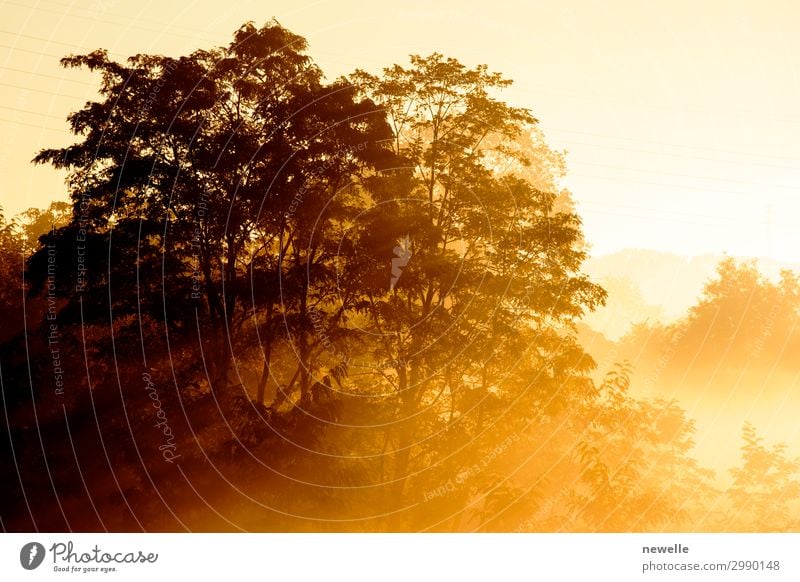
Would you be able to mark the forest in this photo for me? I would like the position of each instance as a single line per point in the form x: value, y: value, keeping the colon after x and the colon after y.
x: 278, y: 302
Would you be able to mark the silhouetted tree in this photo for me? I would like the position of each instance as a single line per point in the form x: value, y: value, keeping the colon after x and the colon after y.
x: 198, y: 184
x: 11, y: 268
x: 490, y: 275
x: 36, y: 222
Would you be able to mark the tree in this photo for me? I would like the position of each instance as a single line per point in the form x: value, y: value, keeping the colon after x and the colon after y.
x: 489, y: 277
x: 196, y: 186
x: 741, y: 318
x: 36, y: 222
x: 635, y: 472
x: 11, y: 268
x: 766, y: 488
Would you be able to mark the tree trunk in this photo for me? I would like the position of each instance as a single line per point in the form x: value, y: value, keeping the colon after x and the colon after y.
x: 406, y: 433
x: 265, y: 372
x: 262, y: 382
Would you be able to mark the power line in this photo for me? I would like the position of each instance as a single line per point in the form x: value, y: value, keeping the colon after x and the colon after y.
x: 660, y: 212
x: 38, y: 53
x: 689, y: 176
x: 662, y: 184
x: 674, y: 145
x: 66, y: 80
x: 89, y: 14
x: 32, y: 112
x: 47, y: 40
x: 44, y: 127
x: 41, y: 91
x: 683, y: 156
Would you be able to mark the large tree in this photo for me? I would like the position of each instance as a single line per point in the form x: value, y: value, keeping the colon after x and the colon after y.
x: 197, y: 184
x: 484, y: 279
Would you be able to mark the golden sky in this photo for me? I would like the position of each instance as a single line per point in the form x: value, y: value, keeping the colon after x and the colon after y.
x: 680, y: 118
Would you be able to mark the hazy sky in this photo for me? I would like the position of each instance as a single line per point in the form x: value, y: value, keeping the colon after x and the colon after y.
x: 680, y: 119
